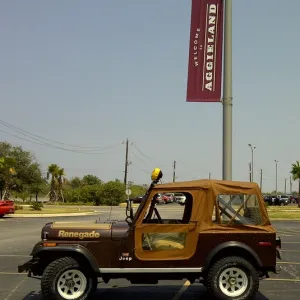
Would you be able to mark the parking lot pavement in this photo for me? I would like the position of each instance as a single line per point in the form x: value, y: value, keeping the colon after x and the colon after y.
x: 18, y: 236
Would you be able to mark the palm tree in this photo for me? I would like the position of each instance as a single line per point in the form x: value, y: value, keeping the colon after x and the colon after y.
x: 61, y: 180
x: 53, y: 170
x: 296, y: 176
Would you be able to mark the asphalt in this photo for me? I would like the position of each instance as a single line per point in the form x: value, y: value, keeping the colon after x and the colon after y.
x: 17, y: 236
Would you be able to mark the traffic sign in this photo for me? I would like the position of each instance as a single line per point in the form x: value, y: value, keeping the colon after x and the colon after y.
x: 128, y: 192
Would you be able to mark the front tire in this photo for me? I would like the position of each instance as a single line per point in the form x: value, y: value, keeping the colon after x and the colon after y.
x: 65, y: 279
x: 232, y: 278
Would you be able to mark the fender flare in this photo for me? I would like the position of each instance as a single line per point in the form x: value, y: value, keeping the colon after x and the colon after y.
x: 232, y: 244
x: 73, y: 248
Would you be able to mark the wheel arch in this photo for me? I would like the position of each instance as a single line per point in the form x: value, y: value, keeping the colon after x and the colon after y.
x: 46, y: 255
x: 232, y: 248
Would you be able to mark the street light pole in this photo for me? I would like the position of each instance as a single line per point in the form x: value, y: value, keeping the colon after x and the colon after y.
x: 252, y: 167
x: 276, y: 162
x: 227, y: 93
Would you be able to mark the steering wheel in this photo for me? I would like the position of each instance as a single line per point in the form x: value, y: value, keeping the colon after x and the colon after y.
x: 158, y: 216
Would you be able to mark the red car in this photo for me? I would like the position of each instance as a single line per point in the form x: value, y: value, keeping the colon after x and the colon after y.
x: 6, y: 207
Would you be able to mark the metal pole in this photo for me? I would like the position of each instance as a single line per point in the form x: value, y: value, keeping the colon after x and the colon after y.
x: 276, y: 161
x: 227, y: 92
x: 285, y: 186
x: 252, y: 166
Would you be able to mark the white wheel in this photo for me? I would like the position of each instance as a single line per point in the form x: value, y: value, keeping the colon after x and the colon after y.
x: 233, y: 282
x: 232, y: 277
x: 71, y: 284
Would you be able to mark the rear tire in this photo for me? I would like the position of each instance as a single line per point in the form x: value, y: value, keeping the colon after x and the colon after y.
x: 66, y: 279
x: 232, y: 278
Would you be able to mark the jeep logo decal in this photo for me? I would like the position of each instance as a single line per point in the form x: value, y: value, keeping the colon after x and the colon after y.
x: 80, y: 235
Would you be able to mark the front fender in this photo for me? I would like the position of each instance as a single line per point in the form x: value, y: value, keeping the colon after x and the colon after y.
x: 68, y: 249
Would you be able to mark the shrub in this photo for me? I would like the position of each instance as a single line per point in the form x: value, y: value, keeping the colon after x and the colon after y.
x: 18, y: 207
x: 36, y: 206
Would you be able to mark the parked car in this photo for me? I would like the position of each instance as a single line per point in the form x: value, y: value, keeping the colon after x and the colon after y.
x: 159, y: 199
x: 6, y: 207
x: 168, y: 198
x: 284, y: 199
x: 180, y: 198
x: 137, y: 199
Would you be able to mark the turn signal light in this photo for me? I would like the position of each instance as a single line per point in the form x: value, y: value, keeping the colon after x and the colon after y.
x: 49, y: 244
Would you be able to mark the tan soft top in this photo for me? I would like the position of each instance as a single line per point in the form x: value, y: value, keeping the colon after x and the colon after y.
x: 224, y: 186
x: 213, y: 188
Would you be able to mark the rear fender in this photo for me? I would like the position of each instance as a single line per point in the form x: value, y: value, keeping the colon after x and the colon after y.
x: 230, y: 247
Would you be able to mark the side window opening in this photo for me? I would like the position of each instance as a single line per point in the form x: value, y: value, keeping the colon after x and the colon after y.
x: 237, y: 209
x: 180, y: 214
x: 160, y: 212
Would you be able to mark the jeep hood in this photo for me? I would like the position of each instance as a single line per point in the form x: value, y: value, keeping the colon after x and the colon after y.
x: 85, y: 231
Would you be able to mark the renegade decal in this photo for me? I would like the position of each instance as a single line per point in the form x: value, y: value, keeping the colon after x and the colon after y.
x: 80, y: 235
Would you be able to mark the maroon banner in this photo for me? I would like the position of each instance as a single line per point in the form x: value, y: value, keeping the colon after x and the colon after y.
x: 204, y: 82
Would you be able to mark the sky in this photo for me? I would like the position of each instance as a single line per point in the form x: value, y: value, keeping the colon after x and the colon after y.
x: 94, y: 73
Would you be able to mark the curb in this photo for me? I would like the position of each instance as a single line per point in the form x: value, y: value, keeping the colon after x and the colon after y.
x: 125, y: 204
x: 52, y: 215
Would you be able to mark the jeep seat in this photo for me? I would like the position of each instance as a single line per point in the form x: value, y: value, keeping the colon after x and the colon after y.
x: 162, y: 241
x: 167, y: 245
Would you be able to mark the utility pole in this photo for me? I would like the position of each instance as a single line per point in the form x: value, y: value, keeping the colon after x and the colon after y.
x: 291, y: 185
x: 285, y: 185
x: 261, y: 173
x: 126, y: 164
x: 227, y: 93
x: 174, y: 170
x: 209, y: 175
x: 250, y: 171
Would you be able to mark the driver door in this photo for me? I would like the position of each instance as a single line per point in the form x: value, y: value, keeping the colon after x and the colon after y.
x: 170, y: 233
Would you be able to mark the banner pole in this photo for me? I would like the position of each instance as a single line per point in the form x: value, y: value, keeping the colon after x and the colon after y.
x: 227, y: 92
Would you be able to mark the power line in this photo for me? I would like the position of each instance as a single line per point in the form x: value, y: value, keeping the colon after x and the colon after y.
x: 141, y: 152
x: 26, y: 133
x: 52, y: 146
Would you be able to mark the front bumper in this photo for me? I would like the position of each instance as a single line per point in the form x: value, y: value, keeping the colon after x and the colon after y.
x: 30, y: 266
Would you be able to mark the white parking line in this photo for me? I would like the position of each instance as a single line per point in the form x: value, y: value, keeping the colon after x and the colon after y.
x: 15, y: 288
x: 12, y: 273
x: 13, y: 255
x: 282, y: 279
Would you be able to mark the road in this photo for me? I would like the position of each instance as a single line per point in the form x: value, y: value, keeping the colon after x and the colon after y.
x: 18, y: 236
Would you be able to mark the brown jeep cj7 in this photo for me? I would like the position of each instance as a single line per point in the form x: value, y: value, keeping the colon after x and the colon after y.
x: 222, y: 237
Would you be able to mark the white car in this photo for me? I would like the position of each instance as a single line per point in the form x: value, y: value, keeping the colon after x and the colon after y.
x: 180, y: 198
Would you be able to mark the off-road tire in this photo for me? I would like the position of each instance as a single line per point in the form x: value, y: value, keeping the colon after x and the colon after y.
x: 53, y: 272
x: 218, y: 267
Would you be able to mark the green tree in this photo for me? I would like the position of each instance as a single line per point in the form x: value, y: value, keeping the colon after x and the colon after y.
x: 111, y: 193
x: 7, y: 170
x: 75, y: 183
x: 90, y: 180
x: 296, y: 174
